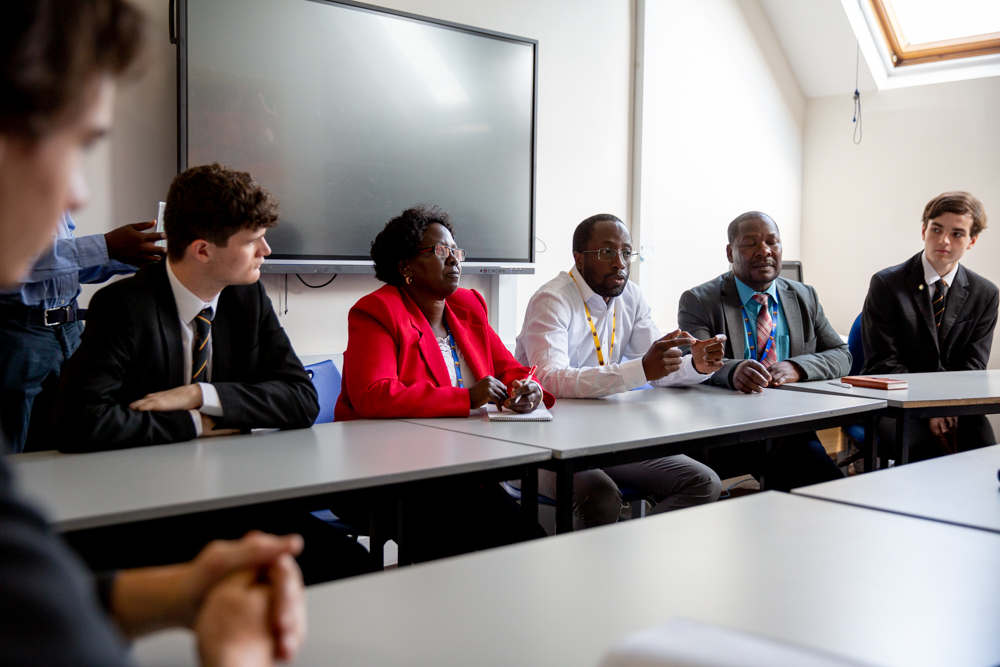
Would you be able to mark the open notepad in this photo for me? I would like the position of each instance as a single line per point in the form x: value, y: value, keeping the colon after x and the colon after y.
x: 539, y: 414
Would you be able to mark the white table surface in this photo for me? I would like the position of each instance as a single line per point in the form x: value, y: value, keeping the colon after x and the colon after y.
x: 818, y: 574
x: 87, y: 490
x: 924, y: 390
x: 961, y: 489
x: 637, y: 419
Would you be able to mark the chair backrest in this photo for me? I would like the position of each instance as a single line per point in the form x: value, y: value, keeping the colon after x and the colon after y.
x: 792, y: 271
x: 855, y: 346
x: 326, y: 378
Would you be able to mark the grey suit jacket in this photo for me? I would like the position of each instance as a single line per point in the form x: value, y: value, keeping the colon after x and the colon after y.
x: 714, y: 307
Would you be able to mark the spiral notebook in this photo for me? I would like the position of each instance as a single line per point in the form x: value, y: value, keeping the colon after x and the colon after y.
x: 539, y: 414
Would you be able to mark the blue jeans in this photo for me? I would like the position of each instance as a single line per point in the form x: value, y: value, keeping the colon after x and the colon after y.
x: 31, y: 359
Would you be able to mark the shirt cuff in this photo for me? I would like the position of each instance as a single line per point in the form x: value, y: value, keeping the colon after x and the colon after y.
x: 210, y: 403
x: 92, y: 250
x: 196, y: 418
x: 633, y: 373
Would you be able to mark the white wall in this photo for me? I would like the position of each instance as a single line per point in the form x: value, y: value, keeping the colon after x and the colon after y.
x: 722, y: 134
x: 584, y: 114
x: 862, y: 204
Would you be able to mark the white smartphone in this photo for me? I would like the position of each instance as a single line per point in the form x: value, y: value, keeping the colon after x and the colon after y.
x: 159, y: 223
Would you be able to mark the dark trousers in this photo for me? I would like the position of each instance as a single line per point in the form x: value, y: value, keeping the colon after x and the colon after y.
x: 328, y: 553
x: 794, y: 461
x: 974, y: 431
x: 31, y: 358
x: 450, y: 518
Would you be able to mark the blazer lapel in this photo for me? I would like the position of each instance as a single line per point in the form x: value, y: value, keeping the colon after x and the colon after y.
x: 793, y: 318
x: 170, y: 326
x: 921, y: 299
x: 733, y: 311
x: 222, y: 331
x: 957, y: 294
x: 471, y: 340
x: 427, y: 342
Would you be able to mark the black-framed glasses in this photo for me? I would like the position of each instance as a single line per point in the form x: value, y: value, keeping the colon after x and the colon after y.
x: 609, y: 254
x: 442, y: 252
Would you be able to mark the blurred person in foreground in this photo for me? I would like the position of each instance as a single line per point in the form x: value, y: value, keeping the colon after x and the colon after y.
x: 59, y: 62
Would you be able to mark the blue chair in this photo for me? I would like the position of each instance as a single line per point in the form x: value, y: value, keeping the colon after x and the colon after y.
x: 855, y: 433
x: 326, y: 378
x: 856, y: 348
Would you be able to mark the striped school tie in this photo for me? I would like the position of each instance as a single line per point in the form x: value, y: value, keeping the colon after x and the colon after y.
x: 201, y: 346
x: 940, y: 290
x: 764, y: 326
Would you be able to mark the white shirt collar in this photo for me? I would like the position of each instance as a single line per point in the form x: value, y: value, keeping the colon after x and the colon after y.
x: 587, y: 292
x: 188, y: 303
x: 931, y: 275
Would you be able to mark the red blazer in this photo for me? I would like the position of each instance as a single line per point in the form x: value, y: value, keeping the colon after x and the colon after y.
x: 393, y: 366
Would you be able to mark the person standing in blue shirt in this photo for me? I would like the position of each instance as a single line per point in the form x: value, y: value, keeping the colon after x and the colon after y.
x: 40, y: 322
x: 776, y: 333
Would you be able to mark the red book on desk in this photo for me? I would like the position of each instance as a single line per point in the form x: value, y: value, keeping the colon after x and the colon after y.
x: 870, y: 382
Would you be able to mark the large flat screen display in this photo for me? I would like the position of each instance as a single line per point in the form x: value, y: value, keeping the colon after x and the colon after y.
x: 349, y: 114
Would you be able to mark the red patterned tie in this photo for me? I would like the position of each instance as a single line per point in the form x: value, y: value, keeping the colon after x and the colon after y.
x: 764, y: 326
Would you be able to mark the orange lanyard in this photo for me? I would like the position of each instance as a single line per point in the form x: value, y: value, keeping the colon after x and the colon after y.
x: 593, y: 329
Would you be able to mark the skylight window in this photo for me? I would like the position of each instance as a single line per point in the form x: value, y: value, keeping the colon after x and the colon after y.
x: 921, y: 31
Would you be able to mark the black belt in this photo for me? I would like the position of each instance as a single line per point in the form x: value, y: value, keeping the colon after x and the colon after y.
x: 48, y: 317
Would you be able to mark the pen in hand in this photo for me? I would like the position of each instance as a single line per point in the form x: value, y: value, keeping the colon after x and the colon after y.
x: 531, y: 373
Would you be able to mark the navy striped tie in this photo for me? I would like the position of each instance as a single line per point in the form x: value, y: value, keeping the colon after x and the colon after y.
x: 940, y: 289
x: 201, y: 348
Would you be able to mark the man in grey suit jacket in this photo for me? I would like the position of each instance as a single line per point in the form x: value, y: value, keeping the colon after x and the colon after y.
x: 776, y: 333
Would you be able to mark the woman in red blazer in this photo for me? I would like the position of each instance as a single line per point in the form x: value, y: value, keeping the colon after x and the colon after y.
x: 421, y: 346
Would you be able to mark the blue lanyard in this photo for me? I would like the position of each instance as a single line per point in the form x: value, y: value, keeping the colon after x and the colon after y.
x: 752, y: 339
x: 454, y: 356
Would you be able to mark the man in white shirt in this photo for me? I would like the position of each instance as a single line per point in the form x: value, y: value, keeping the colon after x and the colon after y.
x: 591, y: 334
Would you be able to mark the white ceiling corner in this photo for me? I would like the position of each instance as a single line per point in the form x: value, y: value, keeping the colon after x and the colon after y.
x: 819, y: 44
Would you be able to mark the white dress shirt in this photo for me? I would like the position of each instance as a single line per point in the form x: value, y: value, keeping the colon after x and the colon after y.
x: 557, y: 338
x: 931, y: 275
x: 188, y: 307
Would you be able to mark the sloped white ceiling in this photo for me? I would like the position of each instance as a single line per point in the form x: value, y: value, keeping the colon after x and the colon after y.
x: 819, y: 44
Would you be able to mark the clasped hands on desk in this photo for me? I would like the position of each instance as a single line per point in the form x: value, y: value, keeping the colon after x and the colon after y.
x: 772, y: 564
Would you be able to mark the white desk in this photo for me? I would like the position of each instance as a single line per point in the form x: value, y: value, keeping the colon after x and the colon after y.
x: 88, y: 490
x: 638, y: 425
x: 771, y: 564
x: 928, y: 395
x: 961, y: 488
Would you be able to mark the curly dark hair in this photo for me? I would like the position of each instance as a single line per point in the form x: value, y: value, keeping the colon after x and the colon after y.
x: 401, y: 237
x: 51, y: 52
x: 213, y: 202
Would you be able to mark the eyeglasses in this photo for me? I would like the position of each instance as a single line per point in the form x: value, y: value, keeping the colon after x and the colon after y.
x: 609, y: 254
x: 442, y: 252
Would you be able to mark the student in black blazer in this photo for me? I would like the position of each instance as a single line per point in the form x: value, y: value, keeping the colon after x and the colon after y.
x: 131, y: 383
x: 908, y: 326
x: 800, y: 344
x: 191, y: 347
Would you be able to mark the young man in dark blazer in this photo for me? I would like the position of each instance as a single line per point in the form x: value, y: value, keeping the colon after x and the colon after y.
x: 776, y: 333
x: 932, y: 314
x: 190, y: 346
